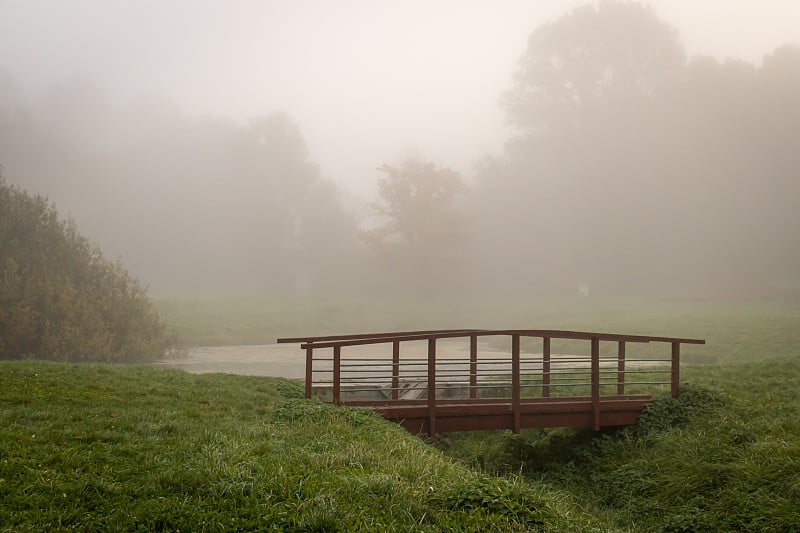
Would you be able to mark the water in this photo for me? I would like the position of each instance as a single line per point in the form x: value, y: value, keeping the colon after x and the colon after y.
x: 288, y: 360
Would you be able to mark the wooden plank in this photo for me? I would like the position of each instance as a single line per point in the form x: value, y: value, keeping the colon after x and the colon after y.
x: 546, y: 367
x: 431, y: 387
x: 621, y: 367
x: 515, y: 381
x: 309, y: 370
x: 499, y: 418
x: 379, y: 338
x: 676, y: 369
x: 337, y: 376
x: 395, y: 370
x: 583, y: 405
x: 473, y: 366
x: 328, y: 338
x: 596, y: 383
x: 524, y: 402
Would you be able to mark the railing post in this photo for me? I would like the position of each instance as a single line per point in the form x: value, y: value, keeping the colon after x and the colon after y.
x: 309, y: 369
x: 432, y: 387
x: 473, y: 366
x: 676, y: 368
x: 337, y: 385
x: 515, y: 382
x: 596, y: 383
x: 621, y: 368
x: 395, y: 370
x: 546, y: 367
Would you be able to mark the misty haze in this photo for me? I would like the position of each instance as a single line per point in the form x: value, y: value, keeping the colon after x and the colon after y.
x: 182, y: 183
x: 628, y: 165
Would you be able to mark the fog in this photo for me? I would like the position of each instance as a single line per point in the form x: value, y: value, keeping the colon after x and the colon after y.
x: 417, y: 148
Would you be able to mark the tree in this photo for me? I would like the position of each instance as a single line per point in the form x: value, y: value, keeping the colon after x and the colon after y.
x: 588, y: 55
x: 422, y: 236
x: 640, y: 172
x: 568, y: 186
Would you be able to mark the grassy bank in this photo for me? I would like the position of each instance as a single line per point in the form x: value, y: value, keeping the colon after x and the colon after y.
x: 724, y: 457
x: 121, y: 448
x: 118, y: 448
x: 126, y: 448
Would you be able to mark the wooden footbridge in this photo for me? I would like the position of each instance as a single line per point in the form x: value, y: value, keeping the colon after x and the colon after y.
x: 456, y: 380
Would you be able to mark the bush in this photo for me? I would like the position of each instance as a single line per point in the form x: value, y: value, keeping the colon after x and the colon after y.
x: 60, y: 299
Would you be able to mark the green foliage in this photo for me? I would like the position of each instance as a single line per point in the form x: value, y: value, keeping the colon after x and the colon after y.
x: 60, y: 299
x: 130, y: 448
x: 288, y: 388
x: 666, y: 412
x: 498, y: 497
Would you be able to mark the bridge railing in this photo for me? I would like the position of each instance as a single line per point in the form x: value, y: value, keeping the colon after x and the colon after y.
x: 428, y: 377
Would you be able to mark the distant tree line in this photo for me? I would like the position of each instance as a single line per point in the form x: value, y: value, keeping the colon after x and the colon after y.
x: 60, y: 299
x: 632, y: 169
x: 635, y: 169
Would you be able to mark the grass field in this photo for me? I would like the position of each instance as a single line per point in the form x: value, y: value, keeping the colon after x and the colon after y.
x: 733, y: 330
x: 114, y: 448
x: 725, y: 456
x: 130, y: 448
x: 119, y: 448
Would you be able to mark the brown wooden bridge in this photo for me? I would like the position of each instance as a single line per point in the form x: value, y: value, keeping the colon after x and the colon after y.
x: 454, y: 380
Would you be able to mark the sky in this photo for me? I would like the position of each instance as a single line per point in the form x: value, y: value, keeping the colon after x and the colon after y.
x: 368, y: 82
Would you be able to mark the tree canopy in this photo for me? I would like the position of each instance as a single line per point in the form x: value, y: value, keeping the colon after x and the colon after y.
x: 421, y: 240
x: 585, y: 58
x: 637, y: 170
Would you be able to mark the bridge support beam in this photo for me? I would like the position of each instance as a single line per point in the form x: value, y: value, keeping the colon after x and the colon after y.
x: 432, y: 387
x: 676, y: 369
x: 596, y: 383
x: 515, y: 382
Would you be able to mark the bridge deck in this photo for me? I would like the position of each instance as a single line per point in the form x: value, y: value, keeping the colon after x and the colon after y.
x: 429, y: 393
x: 492, y: 414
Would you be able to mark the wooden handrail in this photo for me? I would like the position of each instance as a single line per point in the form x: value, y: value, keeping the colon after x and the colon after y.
x: 357, y: 336
x: 381, y: 338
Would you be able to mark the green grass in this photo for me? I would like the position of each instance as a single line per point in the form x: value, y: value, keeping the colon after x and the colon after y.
x: 725, y: 456
x: 127, y: 448
x: 121, y: 448
x: 733, y: 330
x: 113, y: 448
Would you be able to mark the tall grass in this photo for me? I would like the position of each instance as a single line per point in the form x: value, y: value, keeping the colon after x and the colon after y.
x: 104, y: 448
x: 725, y: 456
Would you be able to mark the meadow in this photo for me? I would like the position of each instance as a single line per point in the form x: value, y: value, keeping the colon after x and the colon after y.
x: 134, y: 448
x: 140, y: 448
x: 737, y: 330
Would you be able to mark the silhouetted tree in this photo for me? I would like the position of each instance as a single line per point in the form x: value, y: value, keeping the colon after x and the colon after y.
x: 587, y: 57
x: 637, y: 171
x: 421, y: 241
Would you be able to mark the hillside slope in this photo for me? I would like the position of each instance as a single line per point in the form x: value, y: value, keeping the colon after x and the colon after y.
x: 110, y: 448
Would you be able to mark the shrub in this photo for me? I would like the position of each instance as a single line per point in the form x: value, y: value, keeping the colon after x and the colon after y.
x: 60, y: 299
